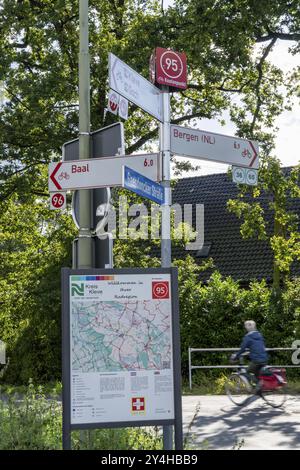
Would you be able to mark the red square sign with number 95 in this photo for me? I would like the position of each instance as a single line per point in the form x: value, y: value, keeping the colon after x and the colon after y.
x: 170, y: 69
x: 160, y: 290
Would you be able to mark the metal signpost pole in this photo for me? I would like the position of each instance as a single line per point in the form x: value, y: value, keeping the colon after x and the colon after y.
x: 166, y: 257
x: 85, y: 237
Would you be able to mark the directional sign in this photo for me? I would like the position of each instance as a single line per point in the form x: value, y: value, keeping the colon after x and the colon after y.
x: 131, y: 85
x: 143, y: 186
x: 204, y: 145
x: 244, y: 176
x: 100, y: 172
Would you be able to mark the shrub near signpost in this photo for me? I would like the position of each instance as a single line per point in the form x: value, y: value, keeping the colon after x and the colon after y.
x: 212, y: 315
x: 33, y: 421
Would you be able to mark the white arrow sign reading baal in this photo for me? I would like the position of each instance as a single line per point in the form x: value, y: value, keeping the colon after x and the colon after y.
x: 131, y: 85
x: 221, y: 148
x: 100, y: 172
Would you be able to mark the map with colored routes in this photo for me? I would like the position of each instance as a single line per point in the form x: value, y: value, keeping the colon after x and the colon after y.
x: 125, y: 335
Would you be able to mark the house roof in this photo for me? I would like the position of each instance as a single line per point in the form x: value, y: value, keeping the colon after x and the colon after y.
x: 242, y: 259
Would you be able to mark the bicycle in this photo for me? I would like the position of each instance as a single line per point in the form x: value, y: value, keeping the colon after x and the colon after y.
x: 241, y: 386
x: 63, y: 175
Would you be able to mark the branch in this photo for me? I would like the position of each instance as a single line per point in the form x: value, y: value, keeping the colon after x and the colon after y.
x: 25, y: 168
x: 7, y: 89
x: 153, y: 133
x: 142, y: 141
x: 63, y: 106
x: 17, y: 45
x: 258, y: 82
x: 283, y: 36
x: 8, y: 193
x: 12, y: 188
x: 188, y: 117
x: 39, y: 193
x: 195, y: 87
x: 220, y: 88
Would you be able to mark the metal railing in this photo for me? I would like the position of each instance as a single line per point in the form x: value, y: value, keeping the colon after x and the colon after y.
x: 229, y: 366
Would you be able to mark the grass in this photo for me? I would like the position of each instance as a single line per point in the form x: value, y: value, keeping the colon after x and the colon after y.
x: 205, y: 383
x: 51, y: 389
x: 32, y: 420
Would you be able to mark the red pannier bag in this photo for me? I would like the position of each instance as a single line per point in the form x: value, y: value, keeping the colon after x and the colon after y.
x: 273, y: 378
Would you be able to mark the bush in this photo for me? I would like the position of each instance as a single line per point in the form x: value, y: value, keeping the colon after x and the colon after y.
x: 212, y: 315
x: 31, y: 421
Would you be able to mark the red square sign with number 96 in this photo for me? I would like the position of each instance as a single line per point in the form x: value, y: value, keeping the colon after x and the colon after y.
x: 160, y: 290
x: 58, y: 200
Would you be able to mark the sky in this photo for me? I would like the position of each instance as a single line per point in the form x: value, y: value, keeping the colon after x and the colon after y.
x: 288, y: 123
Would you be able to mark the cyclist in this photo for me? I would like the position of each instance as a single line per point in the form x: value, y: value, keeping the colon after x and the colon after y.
x: 254, y: 342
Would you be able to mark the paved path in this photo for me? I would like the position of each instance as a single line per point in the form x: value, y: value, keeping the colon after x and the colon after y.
x: 218, y: 424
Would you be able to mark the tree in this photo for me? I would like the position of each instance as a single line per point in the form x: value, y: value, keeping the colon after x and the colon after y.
x: 39, y: 69
x: 39, y: 112
x: 34, y: 245
x: 279, y: 188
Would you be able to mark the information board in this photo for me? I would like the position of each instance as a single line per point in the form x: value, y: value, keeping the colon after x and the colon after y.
x: 121, y: 353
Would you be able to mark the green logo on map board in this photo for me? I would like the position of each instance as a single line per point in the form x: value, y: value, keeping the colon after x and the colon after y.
x: 77, y: 289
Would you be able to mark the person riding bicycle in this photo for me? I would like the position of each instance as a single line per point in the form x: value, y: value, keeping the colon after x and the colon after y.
x: 254, y: 342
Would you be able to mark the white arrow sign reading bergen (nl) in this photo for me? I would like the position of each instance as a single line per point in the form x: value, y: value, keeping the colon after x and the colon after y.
x: 100, y: 172
x: 131, y: 85
x: 204, y: 145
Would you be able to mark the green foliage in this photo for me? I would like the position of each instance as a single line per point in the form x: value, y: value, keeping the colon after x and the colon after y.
x: 35, y: 242
x: 33, y: 421
x: 30, y: 422
x: 212, y: 316
x: 39, y: 112
x: 291, y: 307
x: 282, y: 231
x: 39, y: 71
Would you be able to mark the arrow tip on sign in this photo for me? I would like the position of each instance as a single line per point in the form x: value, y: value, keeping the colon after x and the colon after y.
x: 255, y: 154
x: 52, y: 176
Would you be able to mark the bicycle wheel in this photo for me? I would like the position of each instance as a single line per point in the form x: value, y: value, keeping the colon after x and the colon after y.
x: 275, y: 398
x: 238, y: 389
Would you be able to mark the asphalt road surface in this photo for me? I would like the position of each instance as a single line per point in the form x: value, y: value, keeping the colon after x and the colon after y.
x: 213, y: 423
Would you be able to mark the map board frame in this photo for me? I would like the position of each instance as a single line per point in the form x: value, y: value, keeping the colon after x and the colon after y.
x: 68, y: 426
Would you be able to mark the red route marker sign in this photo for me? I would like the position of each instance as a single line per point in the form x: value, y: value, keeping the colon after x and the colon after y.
x: 57, y: 201
x: 160, y: 290
x: 168, y: 68
x: 113, y: 102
